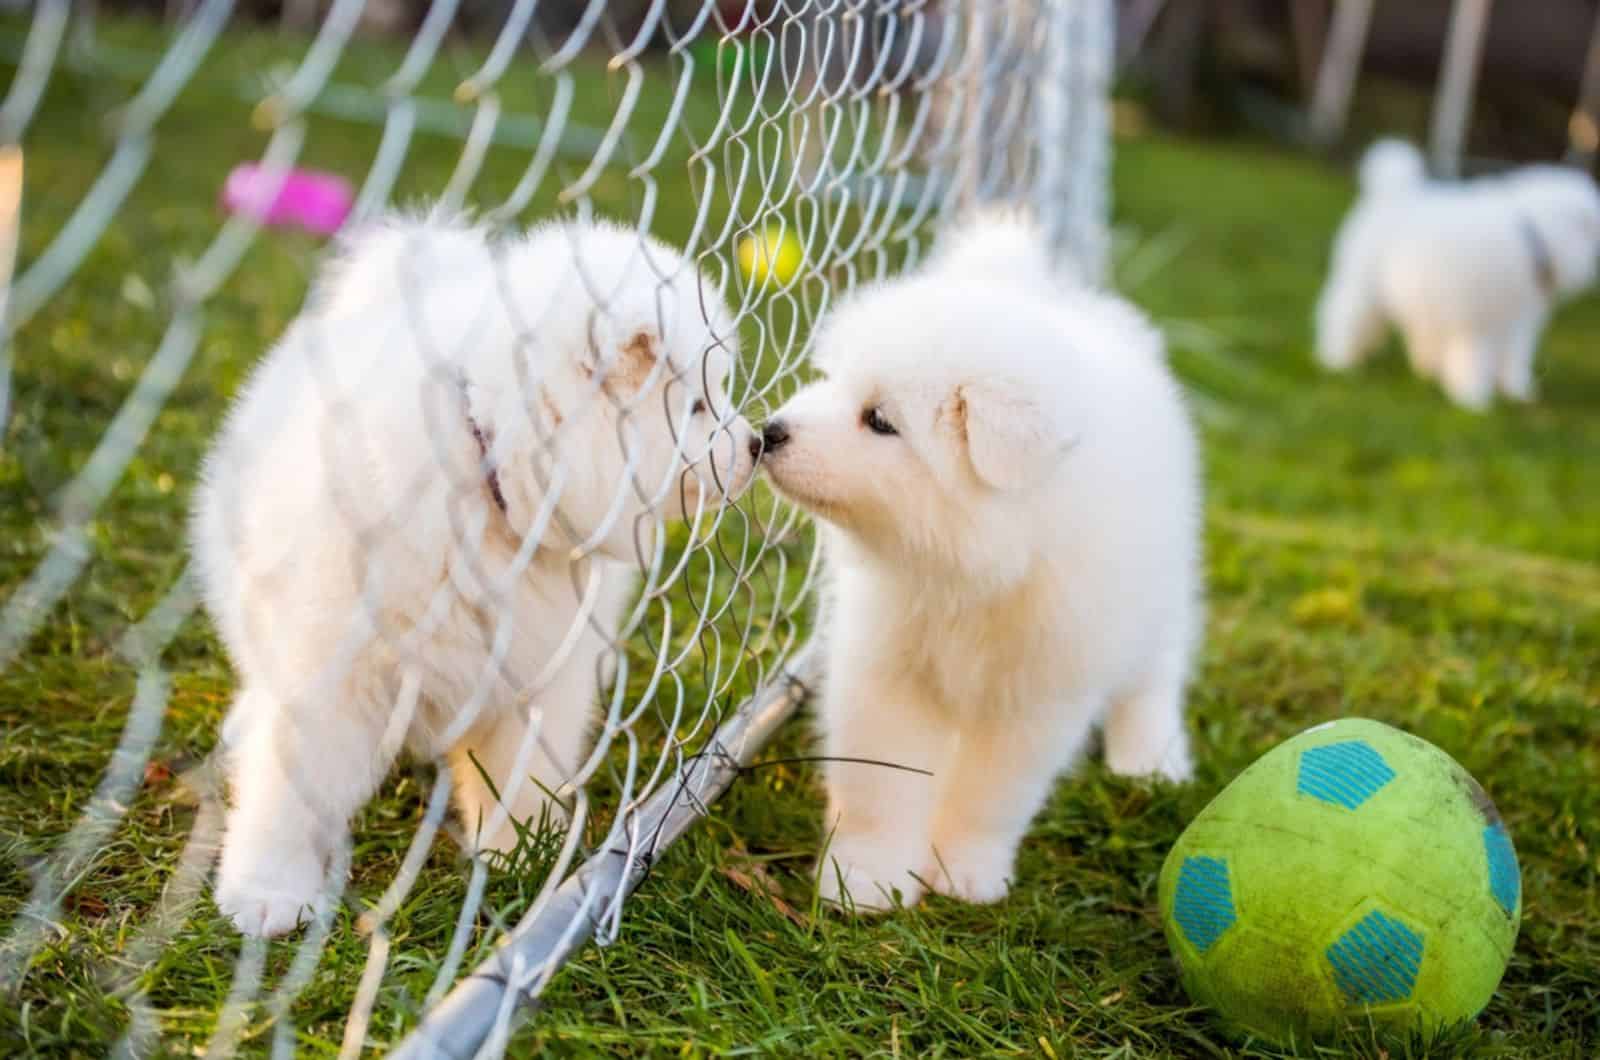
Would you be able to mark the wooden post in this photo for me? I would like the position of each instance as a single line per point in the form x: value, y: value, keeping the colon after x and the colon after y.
x: 1452, y: 105
x: 1136, y: 23
x: 1341, y: 62
x: 1308, y: 24
x: 1583, y: 129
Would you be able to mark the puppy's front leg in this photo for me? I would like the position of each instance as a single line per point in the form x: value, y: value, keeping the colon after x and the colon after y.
x: 878, y: 815
x: 1468, y: 372
x: 1424, y: 345
x: 1516, y: 359
x: 494, y: 796
x: 1002, y: 771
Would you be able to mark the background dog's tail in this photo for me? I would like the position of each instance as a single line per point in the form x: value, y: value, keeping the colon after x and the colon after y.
x: 1391, y: 166
x: 1000, y: 242
x: 374, y: 262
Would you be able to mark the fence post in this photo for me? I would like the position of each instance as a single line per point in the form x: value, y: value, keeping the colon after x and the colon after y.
x: 1336, y: 79
x: 1452, y: 107
x: 1583, y: 128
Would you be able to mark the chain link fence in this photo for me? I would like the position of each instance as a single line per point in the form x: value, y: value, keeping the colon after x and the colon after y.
x: 784, y: 152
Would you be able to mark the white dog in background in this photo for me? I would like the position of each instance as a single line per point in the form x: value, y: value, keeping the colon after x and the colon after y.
x: 1468, y: 272
x: 419, y: 525
x: 1007, y: 482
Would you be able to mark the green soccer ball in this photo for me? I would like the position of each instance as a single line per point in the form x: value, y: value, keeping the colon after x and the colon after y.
x: 1353, y: 874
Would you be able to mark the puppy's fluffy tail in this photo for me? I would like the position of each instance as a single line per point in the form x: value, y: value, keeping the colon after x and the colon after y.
x: 1392, y: 166
x: 1000, y: 242
x: 374, y: 261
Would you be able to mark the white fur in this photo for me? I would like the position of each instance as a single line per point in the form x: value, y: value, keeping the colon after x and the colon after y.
x: 1017, y: 565
x: 1452, y: 267
x: 359, y: 569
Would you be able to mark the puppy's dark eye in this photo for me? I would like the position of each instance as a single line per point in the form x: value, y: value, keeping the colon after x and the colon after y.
x: 873, y: 418
x: 698, y: 407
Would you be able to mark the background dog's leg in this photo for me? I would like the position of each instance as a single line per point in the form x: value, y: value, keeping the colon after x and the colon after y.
x: 1516, y: 359
x: 1468, y: 371
x: 493, y: 746
x: 1349, y: 323
x: 1424, y: 346
x: 878, y: 816
x: 296, y: 782
x: 1144, y: 731
x: 1002, y: 773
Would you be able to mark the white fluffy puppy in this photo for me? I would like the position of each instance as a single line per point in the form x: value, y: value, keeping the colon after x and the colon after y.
x: 1468, y: 272
x: 1007, y: 482
x: 419, y: 525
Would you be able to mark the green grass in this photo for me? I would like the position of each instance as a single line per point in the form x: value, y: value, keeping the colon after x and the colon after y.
x: 1370, y: 551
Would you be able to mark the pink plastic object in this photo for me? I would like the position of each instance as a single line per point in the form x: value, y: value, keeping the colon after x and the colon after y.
x: 318, y: 202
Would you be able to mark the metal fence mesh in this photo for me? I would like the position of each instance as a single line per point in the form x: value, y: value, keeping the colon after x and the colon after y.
x: 838, y: 132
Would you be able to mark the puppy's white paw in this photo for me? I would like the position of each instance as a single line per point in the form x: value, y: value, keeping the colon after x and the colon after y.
x: 867, y: 872
x: 1522, y: 391
x: 271, y: 895
x: 1334, y: 361
x: 1468, y: 390
x: 1170, y: 761
x: 503, y: 841
x: 975, y: 869
x: 1471, y: 401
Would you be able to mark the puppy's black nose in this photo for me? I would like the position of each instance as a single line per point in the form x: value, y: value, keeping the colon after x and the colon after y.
x: 756, y: 447
x: 774, y: 436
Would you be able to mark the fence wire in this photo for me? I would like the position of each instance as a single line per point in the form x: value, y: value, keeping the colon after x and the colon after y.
x: 788, y: 151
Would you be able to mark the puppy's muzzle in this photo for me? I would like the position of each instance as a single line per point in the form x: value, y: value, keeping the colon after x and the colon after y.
x: 774, y: 436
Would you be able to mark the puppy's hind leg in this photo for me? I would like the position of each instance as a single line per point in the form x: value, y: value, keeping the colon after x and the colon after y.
x: 297, y: 778
x: 1144, y: 730
x: 1349, y: 321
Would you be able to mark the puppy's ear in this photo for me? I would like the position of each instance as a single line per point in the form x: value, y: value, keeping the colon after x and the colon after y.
x: 1014, y: 438
x: 625, y: 368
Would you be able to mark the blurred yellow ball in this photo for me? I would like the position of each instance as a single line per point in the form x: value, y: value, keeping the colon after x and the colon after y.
x: 773, y: 253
